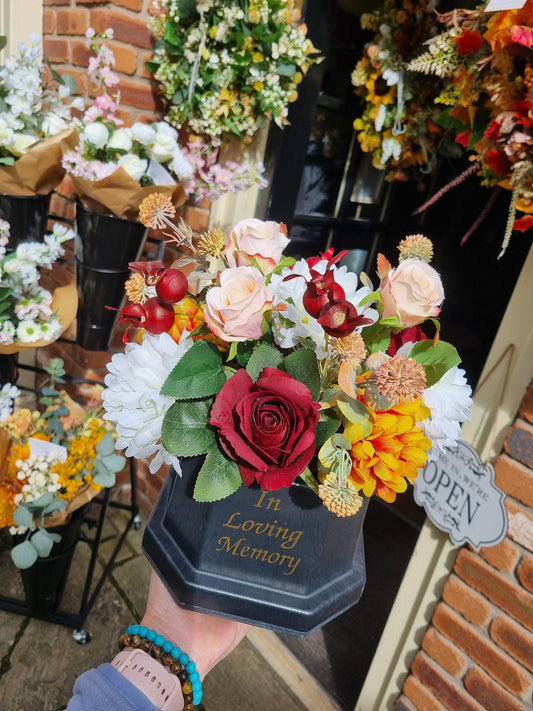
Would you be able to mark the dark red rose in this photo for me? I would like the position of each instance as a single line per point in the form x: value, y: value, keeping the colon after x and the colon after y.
x: 408, y: 335
x: 267, y: 427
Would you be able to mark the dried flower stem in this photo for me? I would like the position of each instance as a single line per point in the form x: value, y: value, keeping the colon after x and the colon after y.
x: 482, y: 215
x: 510, y: 222
x: 182, y: 234
x: 452, y: 184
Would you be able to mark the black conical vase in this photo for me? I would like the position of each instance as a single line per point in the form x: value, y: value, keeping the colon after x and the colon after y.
x: 44, y: 582
x: 27, y: 216
x: 104, y: 246
x: 278, y: 559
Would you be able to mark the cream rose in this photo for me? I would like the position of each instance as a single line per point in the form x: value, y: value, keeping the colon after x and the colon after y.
x: 121, y: 140
x: 133, y: 165
x: 162, y: 148
x: 264, y: 241
x: 234, y: 310
x: 413, y: 292
x: 96, y: 133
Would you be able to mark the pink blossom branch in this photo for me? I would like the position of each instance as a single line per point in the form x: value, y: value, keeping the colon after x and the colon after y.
x: 452, y: 184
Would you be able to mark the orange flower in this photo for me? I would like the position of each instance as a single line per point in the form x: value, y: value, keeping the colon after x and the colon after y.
x: 389, y: 458
x: 189, y: 315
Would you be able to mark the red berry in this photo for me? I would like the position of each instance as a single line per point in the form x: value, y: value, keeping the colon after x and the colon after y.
x: 171, y: 286
x: 159, y: 316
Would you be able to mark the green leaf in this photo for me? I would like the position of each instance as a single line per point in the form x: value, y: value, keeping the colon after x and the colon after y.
x: 264, y: 356
x: 106, y: 445
x: 22, y: 517
x: 436, y: 360
x: 56, y: 505
x: 184, y: 431
x: 114, y: 462
x: 325, y: 428
x: 391, y: 321
x: 376, y: 337
x: 286, y: 70
x: 70, y: 82
x: 24, y: 555
x: 42, y: 501
x: 309, y: 479
x: 102, y: 475
x: 244, y: 351
x: 198, y: 373
x: 219, y: 477
x: 303, y: 366
x: 42, y: 541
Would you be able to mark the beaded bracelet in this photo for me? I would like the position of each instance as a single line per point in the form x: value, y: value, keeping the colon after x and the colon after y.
x: 170, y: 656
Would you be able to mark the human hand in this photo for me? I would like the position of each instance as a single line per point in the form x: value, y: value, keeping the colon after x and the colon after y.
x: 207, y: 639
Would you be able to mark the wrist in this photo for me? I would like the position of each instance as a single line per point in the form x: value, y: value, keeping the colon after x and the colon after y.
x: 160, y: 687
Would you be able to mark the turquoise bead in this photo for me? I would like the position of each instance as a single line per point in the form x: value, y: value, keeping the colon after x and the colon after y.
x: 175, y: 653
x: 167, y: 646
x: 184, y: 659
x: 194, y: 677
x: 133, y: 629
x: 197, y: 686
x: 143, y: 631
x: 159, y: 640
x: 152, y: 634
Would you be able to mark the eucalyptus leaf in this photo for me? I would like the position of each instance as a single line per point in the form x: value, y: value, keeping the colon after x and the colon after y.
x: 22, y: 517
x: 24, y: 555
x: 325, y: 428
x: 184, y: 430
x: 264, y: 356
x: 102, y: 475
x: 106, y: 445
x: 114, y: 462
x: 198, y: 373
x: 44, y: 500
x: 303, y: 366
x: 42, y: 541
x: 218, y: 478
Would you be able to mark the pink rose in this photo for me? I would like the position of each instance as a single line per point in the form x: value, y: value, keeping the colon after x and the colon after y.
x: 264, y: 241
x: 234, y: 310
x: 267, y: 427
x: 413, y: 292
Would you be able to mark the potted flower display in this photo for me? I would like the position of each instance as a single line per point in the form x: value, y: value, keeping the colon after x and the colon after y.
x: 35, y: 128
x: 287, y: 393
x: 54, y: 461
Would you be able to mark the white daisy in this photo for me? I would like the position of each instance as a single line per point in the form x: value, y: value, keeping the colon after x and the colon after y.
x: 132, y: 399
x: 449, y: 402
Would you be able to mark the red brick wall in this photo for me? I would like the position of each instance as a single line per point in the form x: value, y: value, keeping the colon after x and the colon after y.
x: 64, y: 25
x: 477, y: 652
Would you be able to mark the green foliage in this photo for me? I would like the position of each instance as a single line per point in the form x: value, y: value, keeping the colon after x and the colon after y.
x: 218, y: 478
x: 198, y: 373
x: 435, y: 359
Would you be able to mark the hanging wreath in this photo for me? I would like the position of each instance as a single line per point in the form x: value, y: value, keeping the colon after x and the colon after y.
x: 226, y: 66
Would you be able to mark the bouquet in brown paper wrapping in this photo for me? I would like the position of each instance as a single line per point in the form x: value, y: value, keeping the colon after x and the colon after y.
x: 114, y: 167
x: 35, y: 123
x: 53, y: 460
x: 31, y: 316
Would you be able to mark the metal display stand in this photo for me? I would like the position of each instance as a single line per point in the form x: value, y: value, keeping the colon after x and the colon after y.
x: 102, y: 502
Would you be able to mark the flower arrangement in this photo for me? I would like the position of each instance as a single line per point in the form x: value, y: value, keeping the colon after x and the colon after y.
x: 149, y: 154
x: 398, y: 125
x: 276, y: 369
x: 30, y: 316
x: 484, y: 65
x: 126, y: 159
x: 32, y: 104
x: 211, y: 180
x: 54, y: 460
x: 225, y: 67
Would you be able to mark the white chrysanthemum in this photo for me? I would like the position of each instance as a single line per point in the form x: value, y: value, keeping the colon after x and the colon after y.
x: 449, y: 402
x: 28, y: 331
x: 294, y: 326
x: 132, y: 399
